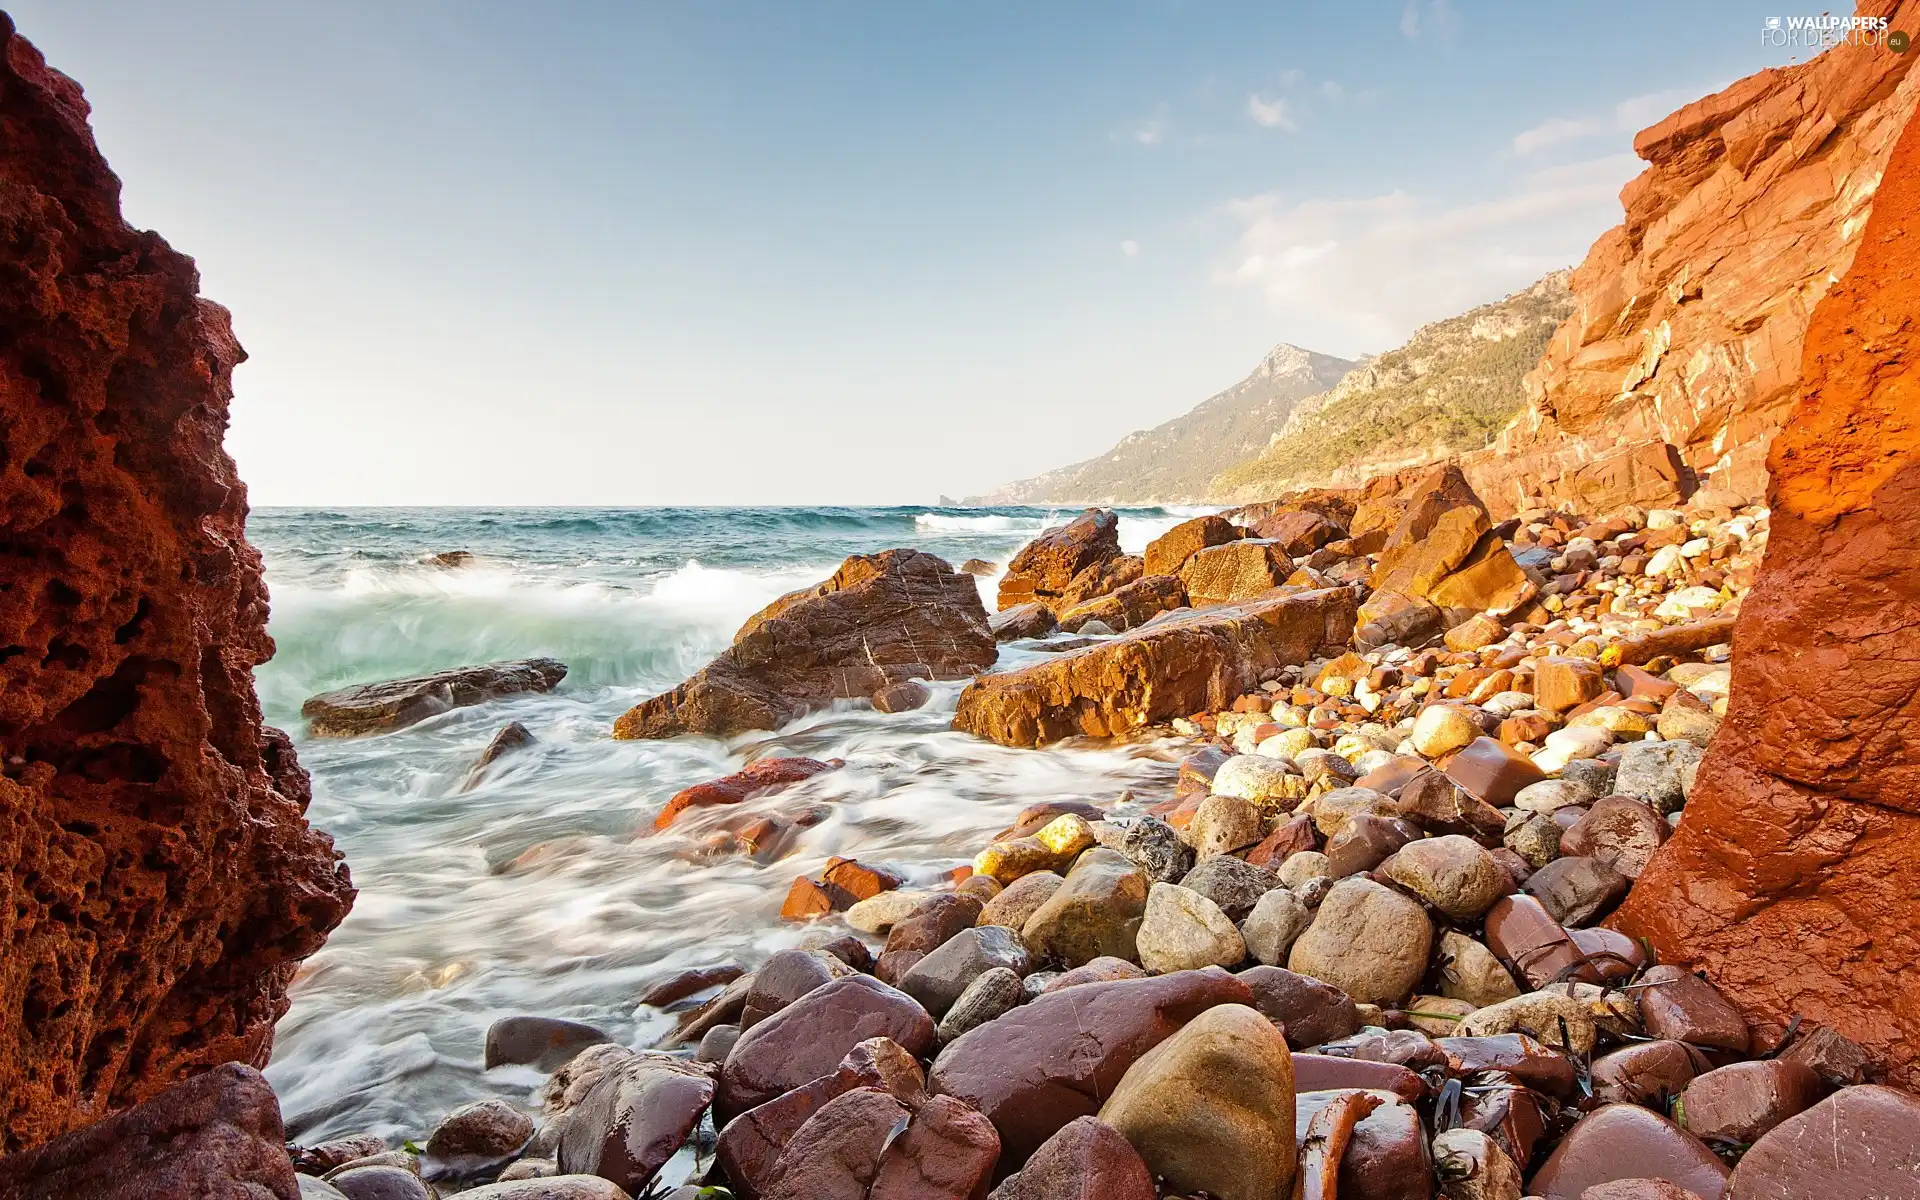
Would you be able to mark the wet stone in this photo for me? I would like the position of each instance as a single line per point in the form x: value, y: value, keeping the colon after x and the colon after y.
x: 1576, y: 890
x: 1647, y: 1073
x: 1308, y: 1011
x: 1677, y: 1004
x: 1739, y: 1102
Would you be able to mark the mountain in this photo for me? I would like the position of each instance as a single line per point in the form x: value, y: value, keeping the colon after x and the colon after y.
x: 1174, y: 461
x: 1449, y: 389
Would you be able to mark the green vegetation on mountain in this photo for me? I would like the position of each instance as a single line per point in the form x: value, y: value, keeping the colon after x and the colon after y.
x: 1448, y: 390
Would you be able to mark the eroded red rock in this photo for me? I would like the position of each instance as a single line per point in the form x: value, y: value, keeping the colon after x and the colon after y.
x: 159, y: 881
x: 754, y: 780
x: 1044, y: 567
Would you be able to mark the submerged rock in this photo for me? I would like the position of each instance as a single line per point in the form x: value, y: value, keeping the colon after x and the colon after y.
x: 398, y: 703
x: 882, y: 618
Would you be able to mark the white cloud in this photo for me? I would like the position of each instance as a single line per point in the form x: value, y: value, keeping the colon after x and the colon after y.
x: 1361, y: 273
x: 1130, y: 248
x: 1152, y: 132
x: 1291, y: 77
x: 1436, y: 18
x: 1271, y: 114
x: 1333, y: 91
x: 1628, y: 117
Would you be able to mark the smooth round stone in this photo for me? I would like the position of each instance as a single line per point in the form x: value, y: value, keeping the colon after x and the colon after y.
x: 1264, y: 781
x: 1441, y: 729
x: 1275, y: 923
x: 877, y: 914
x: 1550, y: 795
x: 1184, y: 931
x: 1304, y: 866
x: 1455, y: 874
x: 1368, y: 940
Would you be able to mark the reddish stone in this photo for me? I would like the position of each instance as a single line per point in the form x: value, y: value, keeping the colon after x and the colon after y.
x: 809, y: 1038
x: 810, y: 898
x: 1613, y: 954
x: 217, y: 1135
x: 1674, y: 1003
x: 755, y: 780
x: 1086, y: 1160
x: 1563, y: 683
x: 1534, y: 946
x: 1625, y: 1141
x: 1046, y: 566
x: 158, y: 879
x: 1170, y: 551
x: 751, y: 1143
x: 1638, y: 1189
x: 1837, y: 1059
x: 1307, y: 1011
x: 1325, y: 1072
x: 687, y: 983
x: 1636, y: 684
x: 1794, y: 881
x: 1739, y: 1102
x: 1647, y: 1073
x: 1290, y: 838
x: 1491, y: 771
x: 1386, y: 1155
x: 1530, y: 1062
x: 1515, y: 1117
x: 1620, y: 831
x: 857, y: 879
x: 1857, y: 1142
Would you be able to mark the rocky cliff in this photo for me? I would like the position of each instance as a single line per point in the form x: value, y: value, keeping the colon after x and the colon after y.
x: 1683, y: 351
x: 1174, y: 461
x: 1794, y: 881
x: 1450, y: 388
x: 158, y: 883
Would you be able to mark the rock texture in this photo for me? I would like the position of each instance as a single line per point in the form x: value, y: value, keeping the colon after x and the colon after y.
x: 158, y: 883
x: 881, y: 618
x: 1681, y: 357
x: 1171, y: 667
x: 1045, y: 569
x: 1794, y: 881
x: 398, y: 703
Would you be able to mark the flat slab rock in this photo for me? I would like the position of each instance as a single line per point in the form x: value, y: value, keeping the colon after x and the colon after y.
x: 1173, y: 666
x: 398, y: 703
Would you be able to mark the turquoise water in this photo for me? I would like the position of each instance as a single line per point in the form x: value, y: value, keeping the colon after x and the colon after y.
x: 447, y: 935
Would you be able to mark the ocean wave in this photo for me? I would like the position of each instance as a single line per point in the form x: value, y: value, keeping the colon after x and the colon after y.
x: 984, y: 523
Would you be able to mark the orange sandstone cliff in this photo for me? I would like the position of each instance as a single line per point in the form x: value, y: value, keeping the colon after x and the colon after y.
x: 1681, y: 358
x: 158, y: 882
x: 1794, y: 880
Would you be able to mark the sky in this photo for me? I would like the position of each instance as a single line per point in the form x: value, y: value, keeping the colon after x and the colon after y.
x: 820, y: 253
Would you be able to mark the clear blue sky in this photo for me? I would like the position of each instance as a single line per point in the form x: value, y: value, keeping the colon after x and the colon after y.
x: 842, y: 252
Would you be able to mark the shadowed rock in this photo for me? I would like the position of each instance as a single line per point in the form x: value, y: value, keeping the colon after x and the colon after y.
x: 398, y: 703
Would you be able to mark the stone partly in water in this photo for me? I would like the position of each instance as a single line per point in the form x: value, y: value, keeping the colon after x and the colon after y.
x: 1044, y: 569
x: 757, y: 779
x: 1794, y: 882
x: 1170, y: 667
x: 160, y: 882
x: 512, y: 738
x: 634, y: 1118
x: 881, y: 618
x: 1211, y: 1108
x: 398, y: 703
x: 215, y: 1135
x: 1061, y: 1055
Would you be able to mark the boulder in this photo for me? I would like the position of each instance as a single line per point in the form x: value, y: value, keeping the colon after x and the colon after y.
x: 217, y: 1135
x: 634, y: 1118
x: 868, y: 1144
x: 482, y: 1134
x: 1619, y: 831
x: 1469, y: 971
x: 993, y: 993
x: 939, y: 979
x: 1211, y: 1108
x: 1794, y: 882
x: 512, y: 738
x: 1299, y: 532
x: 1455, y: 874
x: 1170, y: 551
x: 1677, y: 1004
x: 1442, y: 553
x: 1044, y: 567
x: 159, y: 879
x: 1386, y: 1156
x: 1491, y: 771
x: 1307, y: 1011
x: 550, y: 1187
x: 757, y: 779
x: 1086, y: 1160
x: 1061, y: 1055
x: 398, y: 703
x: 1234, y: 884
x: 1019, y: 900
x: 1625, y: 1141
x: 1030, y: 620
x: 542, y: 1043
x: 1094, y: 913
x: 1367, y: 940
x: 1857, y: 1142
x: 1278, y: 919
x: 367, y: 1183
x: 1182, y: 930
x: 809, y: 1037
x: 1235, y: 571
x: 1127, y: 606
x: 881, y: 618
x: 752, y: 1142
x: 1645, y: 1073
x: 1171, y: 667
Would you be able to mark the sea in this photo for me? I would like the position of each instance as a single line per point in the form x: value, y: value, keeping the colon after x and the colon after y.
x: 542, y: 890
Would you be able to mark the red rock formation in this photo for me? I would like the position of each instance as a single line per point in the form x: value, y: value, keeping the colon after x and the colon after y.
x: 158, y: 884
x: 1681, y: 359
x: 1794, y: 880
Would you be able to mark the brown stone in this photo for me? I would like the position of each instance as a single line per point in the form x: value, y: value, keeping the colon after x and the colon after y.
x: 1560, y: 684
x: 751, y: 1143
x: 1619, y: 831
x: 1638, y: 1189
x: 1530, y: 1062
x: 758, y: 779
x: 1674, y: 1003
x: 398, y: 703
x: 1129, y: 606
x: 1576, y: 890
x: 1387, y: 1156
x: 1739, y: 1102
x: 540, y: 1042
x: 1030, y: 620
x: 1094, y: 913
x: 634, y: 1118
x: 159, y: 881
x: 881, y: 618
x: 1235, y: 571
x: 809, y: 1037
x: 1857, y: 1142
x: 217, y: 1135
x: 1646, y: 1073
x: 1060, y: 1056
x: 1170, y: 551
x: 1101, y: 579
x: 1308, y: 1012
x: 1298, y: 533
x: 1175, y: 666
x: 1794, y: 881
x: 1086, y: 1160
x: 1327, y: 1072
x: 1044, y: 567
x: 1835, y: 1058
x: 1491, y: 771
x: 1526, y: 938
x: 867, y: 1144
x: 1625, y: 1141
x: 682, y: 984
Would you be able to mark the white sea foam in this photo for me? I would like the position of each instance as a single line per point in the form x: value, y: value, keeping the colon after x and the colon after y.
x: 984, y: 523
